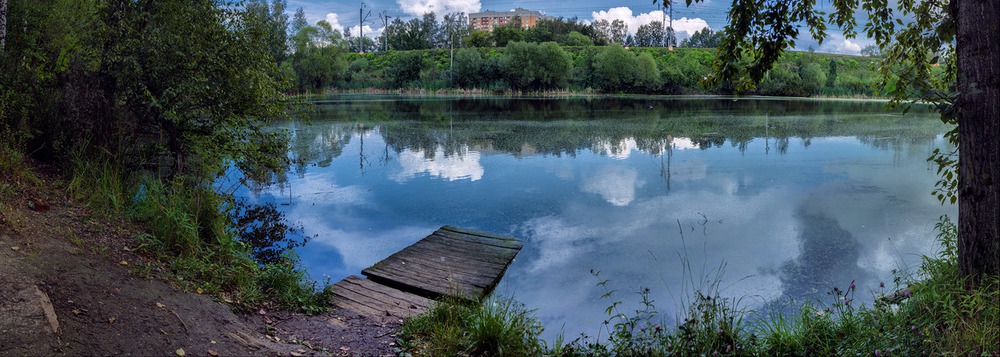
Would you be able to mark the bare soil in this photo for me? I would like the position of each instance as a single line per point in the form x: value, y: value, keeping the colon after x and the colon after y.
x: 69, y: 286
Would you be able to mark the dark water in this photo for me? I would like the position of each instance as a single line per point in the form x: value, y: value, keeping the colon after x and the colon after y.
x: 791, y: 197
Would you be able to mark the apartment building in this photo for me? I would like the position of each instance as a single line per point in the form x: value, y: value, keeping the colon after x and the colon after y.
x: 487, y: 20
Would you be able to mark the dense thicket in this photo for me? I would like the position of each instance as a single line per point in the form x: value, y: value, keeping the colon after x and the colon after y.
x: 606, y: 69
x: 144, y: 104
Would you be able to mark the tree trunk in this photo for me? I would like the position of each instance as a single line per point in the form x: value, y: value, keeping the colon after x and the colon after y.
x: 3, y: 25
x: 977, y: 38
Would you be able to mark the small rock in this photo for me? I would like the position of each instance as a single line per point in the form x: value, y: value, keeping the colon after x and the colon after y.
x: 15, y: 248
x: 212, y: 353
x: 295, y: 354
x: 179, y: 352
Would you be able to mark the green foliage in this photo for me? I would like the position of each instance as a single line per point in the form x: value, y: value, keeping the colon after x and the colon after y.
x: 577, y: 39
x: 813, y: 78
x: 706, y: 38
x: 531, y: 66
x: 618, y: 70
x: 478, y: 38
x: 405, y: 70
x: 469, y: 68
x: 831, y: 75
x: 494, y: 327
x: 144, y: 104
x: 504, y: 35
x: 319, y: 58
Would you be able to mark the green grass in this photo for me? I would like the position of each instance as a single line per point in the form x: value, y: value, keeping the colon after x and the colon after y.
x: 189, y: 232
x: 496, y: 326
x: 928, y: 313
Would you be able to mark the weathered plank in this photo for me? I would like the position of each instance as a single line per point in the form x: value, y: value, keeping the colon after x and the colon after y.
x: 366, y: 297
x: 479, y: 239
x: 450, y: 261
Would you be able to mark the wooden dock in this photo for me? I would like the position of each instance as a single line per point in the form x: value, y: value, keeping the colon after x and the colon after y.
x: 456, y: 262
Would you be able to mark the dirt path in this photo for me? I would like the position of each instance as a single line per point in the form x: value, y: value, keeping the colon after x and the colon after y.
x: 66, y: 288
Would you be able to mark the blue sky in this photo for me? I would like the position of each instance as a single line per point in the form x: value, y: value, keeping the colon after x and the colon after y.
x: 686, y: 19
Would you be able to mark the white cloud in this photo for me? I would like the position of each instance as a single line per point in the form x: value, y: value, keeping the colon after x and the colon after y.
x: 617, y: 185
x: 685, y: 25
x: 369, y: 32
x: 438, y: 7
x: 837, y: 43
x: 464, y: 165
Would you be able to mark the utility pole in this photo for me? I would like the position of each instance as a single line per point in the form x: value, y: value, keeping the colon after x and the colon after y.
x: 663, y: 24
x: 670, y: 41
x: 385, y: 26
x: 361, y: 27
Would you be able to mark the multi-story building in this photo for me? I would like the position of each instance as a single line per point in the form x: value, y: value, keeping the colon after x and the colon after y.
x: 487, y: 20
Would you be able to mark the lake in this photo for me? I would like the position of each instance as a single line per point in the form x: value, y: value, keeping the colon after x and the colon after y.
x: 773, y: 199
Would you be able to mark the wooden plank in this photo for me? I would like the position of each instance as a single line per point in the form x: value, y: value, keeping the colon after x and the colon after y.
x: 429, y: 274
x: 447, y: 267
x: 513, y: 244
x: 379, y: 298
x: 377, y: 306
x: 453, y: 255
x: 466, y: 246
x: 451, y: 261
x: 345, y: 302
x: 480, y: 233
x: 417, y: 300
x: 429, y: 288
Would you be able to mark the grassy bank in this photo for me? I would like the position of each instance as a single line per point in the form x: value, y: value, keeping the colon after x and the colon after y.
x: 929, y: 313
x: 191, y: 233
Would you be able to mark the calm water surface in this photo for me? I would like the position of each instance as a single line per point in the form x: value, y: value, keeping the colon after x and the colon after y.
x: 788, y: 198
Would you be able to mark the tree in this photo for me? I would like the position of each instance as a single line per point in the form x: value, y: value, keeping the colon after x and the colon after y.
x: 478, y: 38
x: 577, y: 39
x: 617, y: 31
x: 601, y: 32
x: 831, y: 75
x: 870, y: 51
x: 532, y: 66
x: 502, y: 35
x: 650, y: 35
x: 299, y: 21
x: 758, y: 33
x: 705, y: 38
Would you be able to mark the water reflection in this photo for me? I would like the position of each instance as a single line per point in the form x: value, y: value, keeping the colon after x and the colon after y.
x: 792, y: 197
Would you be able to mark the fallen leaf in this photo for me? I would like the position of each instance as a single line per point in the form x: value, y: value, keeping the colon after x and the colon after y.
x: 295, y: 354
x: 212, y: 353
x: 112, y: 320
x: 123, y: 262
x: 15, y: 248
x: 159, y: 305
x: 200, y: 291
x: 213, y: 342
x: 179, y: 352
x: 300, y: 350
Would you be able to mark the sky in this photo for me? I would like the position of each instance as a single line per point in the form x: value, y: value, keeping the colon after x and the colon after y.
x: 343, y: 14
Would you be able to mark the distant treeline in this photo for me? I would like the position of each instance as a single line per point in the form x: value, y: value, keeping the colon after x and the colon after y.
x: 555, y: 55
x: 528, y: 67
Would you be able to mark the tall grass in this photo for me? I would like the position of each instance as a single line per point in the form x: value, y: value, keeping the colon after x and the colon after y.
x: 188, y: 229
x: 927, y: 313
x: 497, y: 326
